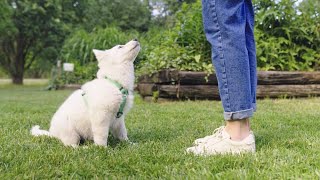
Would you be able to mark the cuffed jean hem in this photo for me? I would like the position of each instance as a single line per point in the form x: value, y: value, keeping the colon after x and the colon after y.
x: 239, y: 114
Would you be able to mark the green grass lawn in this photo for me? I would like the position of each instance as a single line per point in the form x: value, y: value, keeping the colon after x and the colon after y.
x: 287, y: 139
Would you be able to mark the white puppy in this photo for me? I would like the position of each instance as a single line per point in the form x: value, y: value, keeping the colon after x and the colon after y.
x: 89, y: 112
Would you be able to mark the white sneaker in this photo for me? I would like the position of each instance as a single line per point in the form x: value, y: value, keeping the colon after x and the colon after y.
x: 220, y: 143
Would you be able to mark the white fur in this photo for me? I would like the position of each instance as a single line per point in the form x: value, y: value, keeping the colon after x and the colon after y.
x: 75, y: 120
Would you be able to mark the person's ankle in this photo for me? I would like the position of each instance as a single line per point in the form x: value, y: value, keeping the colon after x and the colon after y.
x: 238, y: 129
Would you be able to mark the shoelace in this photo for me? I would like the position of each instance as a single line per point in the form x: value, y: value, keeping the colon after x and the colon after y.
x: 218, y: 132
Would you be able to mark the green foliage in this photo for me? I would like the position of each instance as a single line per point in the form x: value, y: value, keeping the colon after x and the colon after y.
x: 287, y: 36
x: 182, y: 47
x: 168, y: 7
x: 31, y: 30
x: 79, y: 76
x: 126, y: 14
x: 78, y: 48
x: 3, y: 74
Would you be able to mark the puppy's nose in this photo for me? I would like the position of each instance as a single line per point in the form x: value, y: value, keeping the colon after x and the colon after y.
x: 135, y: 39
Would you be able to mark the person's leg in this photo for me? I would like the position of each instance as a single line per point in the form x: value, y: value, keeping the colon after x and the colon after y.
x: 226, y: 26
x: 229, y: 30
x: 239, y: 129
x: 251, y: 47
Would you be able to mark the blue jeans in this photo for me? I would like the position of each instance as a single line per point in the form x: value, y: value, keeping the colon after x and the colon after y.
x: 229, y: 27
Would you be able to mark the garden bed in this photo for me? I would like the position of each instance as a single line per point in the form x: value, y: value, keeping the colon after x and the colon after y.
x: 174, y: 85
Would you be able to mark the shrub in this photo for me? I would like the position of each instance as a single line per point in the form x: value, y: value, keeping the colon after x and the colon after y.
x: 287, y: 38
x: 3, y: 74
x: 77, y: 49
x: 182, y: 47
x: 79, y: 76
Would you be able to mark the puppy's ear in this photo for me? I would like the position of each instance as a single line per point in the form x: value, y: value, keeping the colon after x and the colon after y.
x: 100, y: 55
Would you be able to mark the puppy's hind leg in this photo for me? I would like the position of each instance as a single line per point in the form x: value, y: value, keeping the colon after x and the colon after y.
x: 72, y: 140
x: 66, y: 133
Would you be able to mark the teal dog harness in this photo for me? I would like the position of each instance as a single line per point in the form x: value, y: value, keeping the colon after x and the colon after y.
x: 123, y: 91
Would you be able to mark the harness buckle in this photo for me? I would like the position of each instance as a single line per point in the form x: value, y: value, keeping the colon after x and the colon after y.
x: 119, y: 114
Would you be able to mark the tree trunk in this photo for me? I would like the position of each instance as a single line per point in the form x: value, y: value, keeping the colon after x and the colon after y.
x: 17, y: 79
x: 17, y: 73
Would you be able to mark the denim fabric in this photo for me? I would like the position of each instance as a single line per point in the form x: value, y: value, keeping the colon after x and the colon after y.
x: 229, y: 27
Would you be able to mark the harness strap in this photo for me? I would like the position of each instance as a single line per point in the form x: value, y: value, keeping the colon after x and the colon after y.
x: 123, y: 91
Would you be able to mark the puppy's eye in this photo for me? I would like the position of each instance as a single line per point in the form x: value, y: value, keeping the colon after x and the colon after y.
x: 119, y: 47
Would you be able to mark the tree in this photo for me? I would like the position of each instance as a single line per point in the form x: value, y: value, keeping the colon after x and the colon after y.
x: 31, y: 29
x: 168, y: 7
x: 164, y: 11
x: 126, y: 14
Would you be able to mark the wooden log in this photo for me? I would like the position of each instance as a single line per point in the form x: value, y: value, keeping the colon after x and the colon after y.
x: 285, y: 77
x: 189, y: 91
x: 196, y: 78
x: 175, y: 77
x: 147, y: 89
x: 211, y: 91
x: 176, y: 91
x: 162, y: 77
x: 199, y: 78
x: 274, y: 91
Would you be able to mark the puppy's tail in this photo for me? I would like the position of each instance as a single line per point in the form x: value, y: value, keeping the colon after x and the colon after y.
x: 36, y: 131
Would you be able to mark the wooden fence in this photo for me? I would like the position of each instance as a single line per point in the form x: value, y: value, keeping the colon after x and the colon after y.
x: 173, y: 84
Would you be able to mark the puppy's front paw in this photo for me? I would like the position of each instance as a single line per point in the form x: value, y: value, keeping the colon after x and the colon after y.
x: 101, y: 144
x: 100, y: 141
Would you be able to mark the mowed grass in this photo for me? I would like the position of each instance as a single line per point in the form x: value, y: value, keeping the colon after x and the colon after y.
x: 287, y: 139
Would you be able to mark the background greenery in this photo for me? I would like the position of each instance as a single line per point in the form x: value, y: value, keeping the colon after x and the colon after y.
x: 287, y: 135
x: 35, y: 34
x: 288, y: 36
